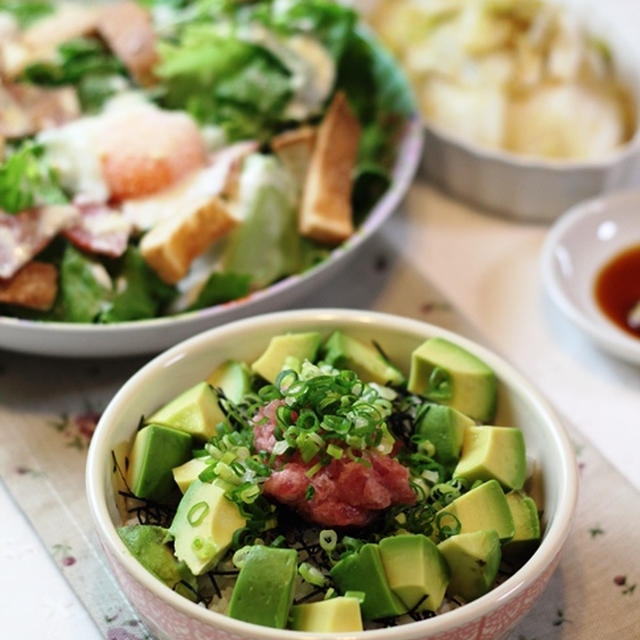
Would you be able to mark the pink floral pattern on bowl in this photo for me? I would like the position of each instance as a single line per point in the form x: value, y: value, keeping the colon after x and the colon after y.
x: 168, y: 623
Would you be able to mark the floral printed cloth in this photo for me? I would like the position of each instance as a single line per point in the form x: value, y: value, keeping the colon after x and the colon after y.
x: 49, y: 408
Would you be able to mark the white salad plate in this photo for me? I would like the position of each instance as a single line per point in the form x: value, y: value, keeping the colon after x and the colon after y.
x: 578, y: 245
x: 148, y: 336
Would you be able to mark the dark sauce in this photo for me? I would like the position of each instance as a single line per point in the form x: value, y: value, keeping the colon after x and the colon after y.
x: 617, y: 288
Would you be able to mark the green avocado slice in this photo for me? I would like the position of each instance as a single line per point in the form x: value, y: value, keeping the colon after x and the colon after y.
x: 263, y: 592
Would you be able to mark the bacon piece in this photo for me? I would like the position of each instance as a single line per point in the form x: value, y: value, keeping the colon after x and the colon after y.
x: 26, y: 110
x: 35, y: 286
x: 100, y: 230
x: 24, y: 235
x: 128, y: 31
x: 70, y: 20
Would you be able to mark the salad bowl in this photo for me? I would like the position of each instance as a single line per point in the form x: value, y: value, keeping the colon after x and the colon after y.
x: 117, y: 247
x: 172, y: 617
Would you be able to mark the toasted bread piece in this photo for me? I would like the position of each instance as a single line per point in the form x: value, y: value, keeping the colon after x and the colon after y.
x: 35, y: 286
x: 172, y: 244
x: 127, y: 29
x: 294, y: 148
x: 325, y: 212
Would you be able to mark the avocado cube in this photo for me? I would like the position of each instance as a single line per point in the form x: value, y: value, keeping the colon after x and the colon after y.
x: 186, y: 473
x: 234, y: 378
x: 364, y: 571
x: 156, y: 450
x: 416, y: 572
x: 493, y: 453
x: 344, y: 352
x: 527, y: 526
x: 480, y: 509
x: 444, y: 427
x: 148, y: 544
x: 473, y: 560
x: 196, y: 411
x: 299, y: 346
x: 448, y: 374
x: 327, y: 616
x: 263, y: 592
x: 204, y: 525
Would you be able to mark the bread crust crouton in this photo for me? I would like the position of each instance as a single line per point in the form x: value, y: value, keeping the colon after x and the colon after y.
x: 294, y: 149
x: 127, y: 29
x: 172, y: 244
x: 35, y: 286
x: 325, y: 212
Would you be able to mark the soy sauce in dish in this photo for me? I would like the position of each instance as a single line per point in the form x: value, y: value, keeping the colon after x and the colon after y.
x: 617, y: 290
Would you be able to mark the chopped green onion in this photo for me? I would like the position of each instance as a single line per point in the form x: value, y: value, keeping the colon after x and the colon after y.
x: 328, y: 539
x: 240, y: 556
x: 197, y: 513
x: 307, y: 446
x: 311, y: 574
x: 330, y: 593
x: 334, y: 451
x: 313, y: 470
x: 447, y: 531
x: 310, y: 492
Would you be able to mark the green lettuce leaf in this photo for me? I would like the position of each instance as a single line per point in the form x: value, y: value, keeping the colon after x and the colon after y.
x: 26, y: 12
x: 27, y: 181
x: 82, y: 296
x: 84, y: 63
x: 140, y: 293
x: 222, y: 287
x: 222, y: 80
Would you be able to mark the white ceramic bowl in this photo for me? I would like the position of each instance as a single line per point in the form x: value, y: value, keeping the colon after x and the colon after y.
x: 172, y: 617
x: 577, y: 247
x: 537, y: 189
x: 149, y: 336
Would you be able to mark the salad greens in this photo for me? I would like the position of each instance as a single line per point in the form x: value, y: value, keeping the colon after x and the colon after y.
x: 26, y: 11
x: 85, y: 63
x: 27, y: 181
x: 245, y: 71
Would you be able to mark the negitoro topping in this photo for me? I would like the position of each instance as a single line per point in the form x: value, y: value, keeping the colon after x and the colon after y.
x: 319, y: 494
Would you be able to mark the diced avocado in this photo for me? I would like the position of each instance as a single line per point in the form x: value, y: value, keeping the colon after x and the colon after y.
x: 204, y: 525
x: 156, y: 450
x: 344, y: 352
x: 186, y: 473
x: 263, y: 592
x: 473, y: 560
x: 234, y: 378
x: 493, y: 453
x: 364, y: 571
x: 148, y: 544
x: 444, y: 427
x: 195, y: 411
x: 527, y: 525
x: 482, y: 508
x: 450, y: 375
x: 302, y: 346
x: 327, y: 616
x: 416, y: 572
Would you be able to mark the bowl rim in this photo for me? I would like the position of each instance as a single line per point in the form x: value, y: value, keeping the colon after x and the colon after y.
x: 608, y: 336
x: 614, y: 157
x: 556, y: 534
x: 410, y: 146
